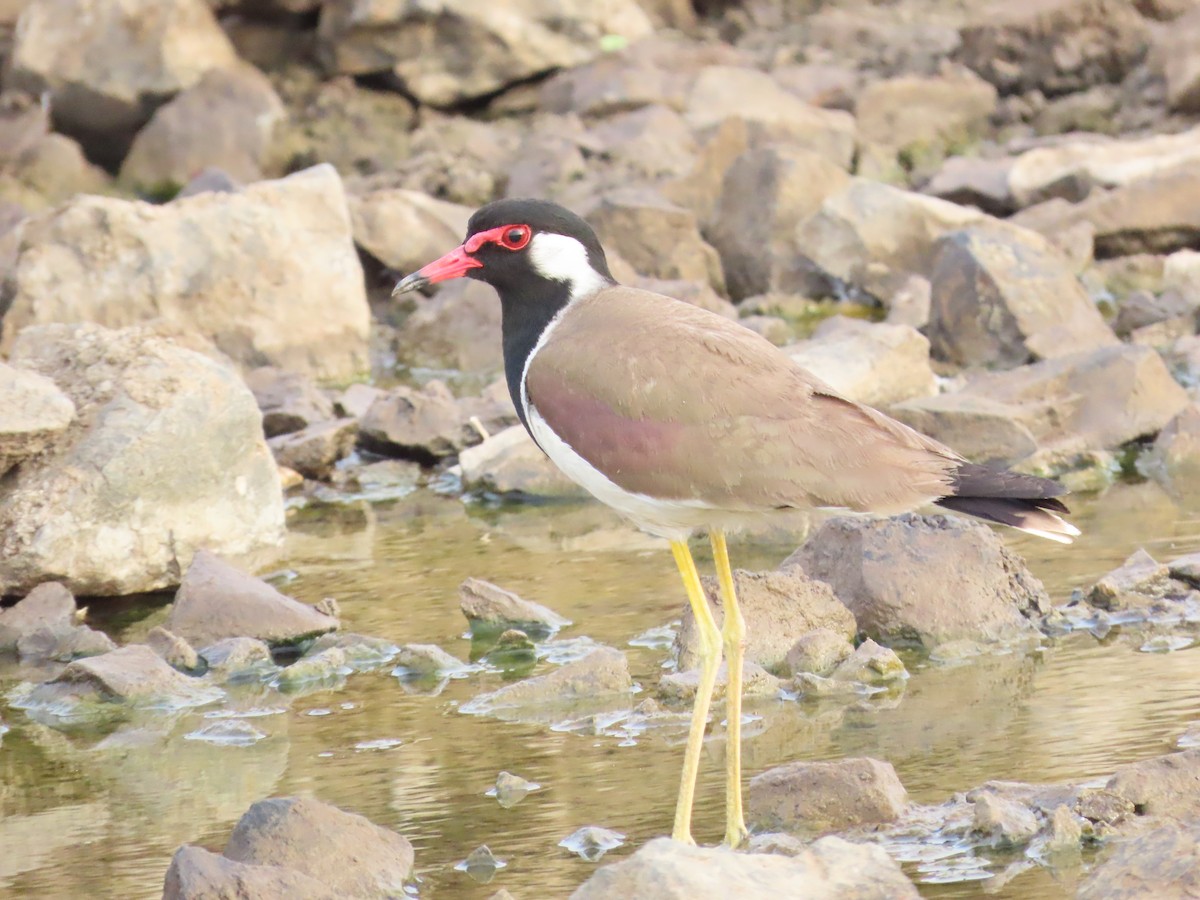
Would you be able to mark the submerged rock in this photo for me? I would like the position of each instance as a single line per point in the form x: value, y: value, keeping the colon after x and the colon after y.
x: 198, y: 874
x: 591, y: 842
x: 238, y: 658
x: 511, y: 789
x: 347, y: 852
x: 216, y: 600
x: 133, y: 675
x: 322, y: 668
x: 481, y: 864
x: 816, y: 797
x: 924, y: 580
x: 1138, y: 582
x: 490, y: 608
x: 362, y: 652
x: 778, y: 608
x: 426, y: 660
x: 830, y: 868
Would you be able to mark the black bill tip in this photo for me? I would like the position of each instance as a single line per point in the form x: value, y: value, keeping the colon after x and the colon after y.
x: 413, y: 282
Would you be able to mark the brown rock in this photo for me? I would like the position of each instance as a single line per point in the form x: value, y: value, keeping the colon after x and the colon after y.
x: 601, y: 679
x: 217, y: 601
x: 490, y: 608
x: 1138, y: 582
x: 405, y: 229
x: 347, y: 852
x: 227, y: 119
x: 778, y: 608
x: 1005, y: 298
x: 174, y: 650
x: 49, y: 605
x: 1178, y: 50
x: 1167, y: 786
x: 882, y: 568
x: 1055, y: 46
x: 829, y: 869
x: 197, y: 874
x: 425, y: 424
x: 1008, y: 823
x: 818, y: 797
x: 1163, y: 863
x: 313, y: 451
x: 133, y: 674
x: 925, y: 117
x: 819, y: 652
x: 509, y: 462
x: 974, y: 181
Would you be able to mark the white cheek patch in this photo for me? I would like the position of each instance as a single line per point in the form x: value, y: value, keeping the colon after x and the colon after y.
x: 562, y: 258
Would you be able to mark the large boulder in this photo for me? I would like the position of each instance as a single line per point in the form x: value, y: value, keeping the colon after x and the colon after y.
x: 1003, y: 298
x: 924, y: 580
x: 830, y: 869
x: 198, y: 874
x: 227, y: 120
x: 107, y: 64
x: 1162, y: 862
x: 270, y: 275
x: 166, y: 456
x: 1053, y: 409
x: 466, y: 50
x: 33, y: 412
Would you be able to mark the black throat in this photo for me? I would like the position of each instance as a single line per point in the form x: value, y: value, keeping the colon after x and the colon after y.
x: 525, y: 314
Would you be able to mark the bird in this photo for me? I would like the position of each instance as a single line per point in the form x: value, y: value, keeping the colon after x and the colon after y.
x: 685, y: 421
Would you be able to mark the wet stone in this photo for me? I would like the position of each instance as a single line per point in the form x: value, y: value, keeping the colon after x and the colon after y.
x: 816, y: 797
x: 1138, y: 582
x: 63, y: 644
x: 490, y: 608
x: 1103, y: 807
x: 175, y: 651
x: 756, y: 682
x: 511, y: 789
x: 481, y: 864
x: 238, y: 659
x: 324, y: 668
x: 591, y: 842
x: 818, y: 652
x: 227, y: 733
x: 870, y: 663
x: 198, y: 873
x: 362, y: 652
x: 1006, y: 822
x: 598, y: 680
x: 1065, y: 833
x: 425, y: 660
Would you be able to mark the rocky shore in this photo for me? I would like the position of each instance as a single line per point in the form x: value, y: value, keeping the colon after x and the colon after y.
x: 982, y: 219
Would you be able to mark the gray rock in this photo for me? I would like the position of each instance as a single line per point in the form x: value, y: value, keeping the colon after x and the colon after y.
x: 875, y: 363
x: 1142, y: 308
x: 33, y: 412
x: 355, y: 400
x: 819, y: 652
x: 598, y: 680
x: 1099, y: 400
x: 1163, y: 862
x: 49, y: 605
x: 237, y: 658
x: 166, y: 443
x: 490, y: 608
x: 458, y: 329
x: 107, y: 66
x: 764, y: 195
x: 360, y: 651
x: 209, y: 180
x: 313, y: 451
x: 511, y: 44
x: 1185, y: 568
x: 197, y: 874
x: 656, y: 237
x: 870, y: 663
x: 644, y: 145
x: 1166, y: 786
x: 353, y: 856
x: 269, y: 275
x: 509, y: 462
x: 405, y: 229
x: 1055, y: 47
x: 778, y: 608
x: 63, y: 643
x: 817, y: 797
x: 425, y: 424
x: 1138, y: 582
x: 216, y: 600
x: 830, y: 869
x: 424, y: 660
x: 1007, y: 823
x: 227, y: 119
x: 132, y: 675
x: 722, y: 92
x: 882, y: 568
x: 1001, y: 299
x: 174, y: 650
x: 289, y: 400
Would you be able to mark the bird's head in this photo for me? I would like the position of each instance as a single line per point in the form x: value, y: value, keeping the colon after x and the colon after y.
x: 519, y: 246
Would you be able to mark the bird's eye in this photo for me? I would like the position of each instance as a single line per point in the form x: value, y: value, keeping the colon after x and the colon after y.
x: 516, y: 237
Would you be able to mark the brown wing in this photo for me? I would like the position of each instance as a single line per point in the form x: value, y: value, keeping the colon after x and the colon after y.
x: 672, y: 401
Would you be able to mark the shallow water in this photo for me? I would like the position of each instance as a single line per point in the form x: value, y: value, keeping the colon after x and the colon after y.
x: 98, y: 813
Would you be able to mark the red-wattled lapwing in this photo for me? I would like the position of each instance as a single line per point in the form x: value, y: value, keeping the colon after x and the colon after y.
x: 682, y: 420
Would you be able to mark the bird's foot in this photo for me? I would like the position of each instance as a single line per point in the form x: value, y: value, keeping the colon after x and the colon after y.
x: 684, y: 837
x: 736, y: 835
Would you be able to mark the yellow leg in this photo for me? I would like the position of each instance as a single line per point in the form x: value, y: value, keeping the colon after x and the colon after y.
x: 733, y: 635
x: 710, y: 658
